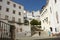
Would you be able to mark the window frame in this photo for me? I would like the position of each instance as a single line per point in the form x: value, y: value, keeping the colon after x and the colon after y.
x: 55, y: 1
x: 8, y: 2
x: 57, y: 17
x: 0, y: 7
x: 19, y: 13
x: 14, y: 11
x: 19, y: 7
x: 19, y: 20
x: 14, y: 5
x: 7, y: 9
x: 13, y: 19
x: 6, y: 17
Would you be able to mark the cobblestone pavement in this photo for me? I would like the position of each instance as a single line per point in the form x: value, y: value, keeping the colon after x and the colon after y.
x: 38, y: 38
x: 43, y: 36
x: 49, y: 39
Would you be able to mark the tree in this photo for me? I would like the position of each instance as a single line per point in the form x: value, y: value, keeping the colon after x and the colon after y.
x: 39, y: 23
x: 34, y: 22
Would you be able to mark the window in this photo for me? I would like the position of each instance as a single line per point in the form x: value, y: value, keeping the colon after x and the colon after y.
x: 14, y: 5
x: 43, y: 21
x: 55, y: 29
x: 19, y: 7
x: 7, y: 9
x: 6, y: 33
x: 13, y: 19
x: 50, y: 10
x: 17, y: 30
x: 8, y: 2
x: 46, y: 19
x: 13, y: 11
x: 19, y: 20
x: 57, y: 17
x: 0, y: 0
x: 6, y: 17
x: 0, y: 15
x: 19, y: 13
x: 20, y: 29
x: 0, y: 7
x: 55, y: 1
x: 0, y: 25
x: 51, y: 29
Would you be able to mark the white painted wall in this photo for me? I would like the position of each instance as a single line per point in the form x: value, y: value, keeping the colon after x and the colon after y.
x: 52, y: 21
x: 36, y: 15
x: 11, y: 8
x: 10, y: 13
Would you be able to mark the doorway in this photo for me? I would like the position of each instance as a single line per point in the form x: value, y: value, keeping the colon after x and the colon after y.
x: 51, y: 29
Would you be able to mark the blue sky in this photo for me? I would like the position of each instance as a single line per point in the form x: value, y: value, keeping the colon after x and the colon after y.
x: 31, y: 5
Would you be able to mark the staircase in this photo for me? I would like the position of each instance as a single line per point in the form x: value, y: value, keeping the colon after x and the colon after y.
x: 42, y: 35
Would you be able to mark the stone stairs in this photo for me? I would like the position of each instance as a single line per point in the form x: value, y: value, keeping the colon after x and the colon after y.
x: 43, y: 34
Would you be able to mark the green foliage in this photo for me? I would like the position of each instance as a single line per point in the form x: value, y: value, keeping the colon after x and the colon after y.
x: 39, y: 23
x: 34, y: 22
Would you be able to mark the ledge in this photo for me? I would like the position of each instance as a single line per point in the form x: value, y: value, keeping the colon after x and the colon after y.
x: 12, y: 21
x: 20, y: 23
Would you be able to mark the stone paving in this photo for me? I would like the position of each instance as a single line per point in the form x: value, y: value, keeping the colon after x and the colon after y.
x: 37, y: 37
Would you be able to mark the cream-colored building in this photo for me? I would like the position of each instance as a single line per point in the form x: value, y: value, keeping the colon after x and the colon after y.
x: 50, y: 17
x: 12, y: 13
x: 32, y: 15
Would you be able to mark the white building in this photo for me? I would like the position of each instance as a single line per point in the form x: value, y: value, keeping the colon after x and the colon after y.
x: 32, y: 15
x: 50, y: 17
x: 36, y: 15
x: 12, y: 13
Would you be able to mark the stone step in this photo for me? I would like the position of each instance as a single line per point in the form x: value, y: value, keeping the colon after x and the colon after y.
x: 43, y: 34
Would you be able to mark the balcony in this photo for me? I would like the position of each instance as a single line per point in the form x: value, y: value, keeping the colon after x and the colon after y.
x: 19, y: 23
x: 11, y: 21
